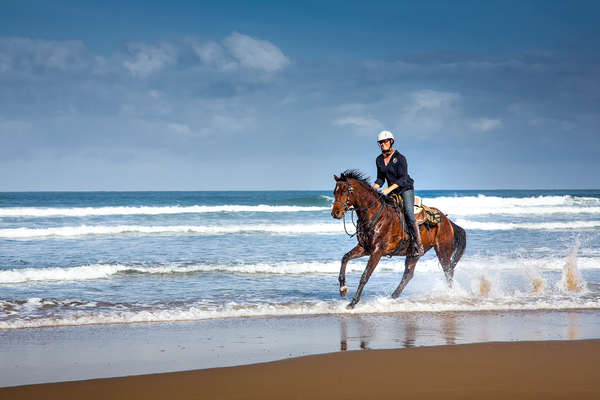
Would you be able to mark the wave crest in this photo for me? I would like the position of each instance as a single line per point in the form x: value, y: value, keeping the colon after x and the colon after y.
x: 146, y: 210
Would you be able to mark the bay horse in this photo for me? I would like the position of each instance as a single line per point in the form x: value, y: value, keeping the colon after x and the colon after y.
x: 381, y: 231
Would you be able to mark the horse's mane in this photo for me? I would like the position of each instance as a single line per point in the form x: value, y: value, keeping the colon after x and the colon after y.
x: 356, y: 174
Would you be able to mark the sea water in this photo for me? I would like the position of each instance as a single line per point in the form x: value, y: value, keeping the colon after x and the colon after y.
x: 70, y: 258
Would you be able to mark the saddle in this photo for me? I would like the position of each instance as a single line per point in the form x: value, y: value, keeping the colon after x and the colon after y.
x: 424, y: 215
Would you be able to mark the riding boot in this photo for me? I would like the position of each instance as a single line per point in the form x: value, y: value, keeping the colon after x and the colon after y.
x: 418, y: 245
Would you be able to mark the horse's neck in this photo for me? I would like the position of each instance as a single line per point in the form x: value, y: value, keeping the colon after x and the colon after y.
x: 364, y: 199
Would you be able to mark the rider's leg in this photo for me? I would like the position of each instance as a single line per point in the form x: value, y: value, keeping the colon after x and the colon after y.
x: 408, y: 198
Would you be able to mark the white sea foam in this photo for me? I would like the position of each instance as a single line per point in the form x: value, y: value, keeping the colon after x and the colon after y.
x: 453, y: 205
x: 99, y: 271
x: 506, y: 226
x: 473, y: 265
x: 283, y: 229
x: 69, y: 231
x: 146, y: 210
x: 495, y: 205
x: 81, y: 313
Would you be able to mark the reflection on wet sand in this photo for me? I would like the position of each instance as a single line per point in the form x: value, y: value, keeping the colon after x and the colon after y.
x: 372, y: 331
x: 449, y: 328
x: 410, y: 332
x: 573, y: 326
x: 358, y: 331
x: 365, y: 330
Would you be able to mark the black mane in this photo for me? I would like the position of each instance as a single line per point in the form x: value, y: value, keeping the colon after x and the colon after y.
x: 355, y: 174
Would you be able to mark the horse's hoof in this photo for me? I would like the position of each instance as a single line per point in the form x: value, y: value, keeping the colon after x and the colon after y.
x: 351, y: 305
x: 343, y: 291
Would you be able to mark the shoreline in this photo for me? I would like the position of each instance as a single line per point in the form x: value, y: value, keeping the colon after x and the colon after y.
x: 43, y: 355
x: 536, y: 369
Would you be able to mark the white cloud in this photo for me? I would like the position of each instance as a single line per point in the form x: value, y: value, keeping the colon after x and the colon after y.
x: 431, y: 99
x: 214, y: 55
x: 485, y: 124
x: 255, y: 53
x: 428, y: 112
x: 146, y: 59
x: 364, y: 124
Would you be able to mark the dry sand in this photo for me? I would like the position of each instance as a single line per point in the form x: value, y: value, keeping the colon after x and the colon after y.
x: 517, y: 370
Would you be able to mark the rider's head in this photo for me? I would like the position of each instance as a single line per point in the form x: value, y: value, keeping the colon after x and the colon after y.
x: 385, y: 140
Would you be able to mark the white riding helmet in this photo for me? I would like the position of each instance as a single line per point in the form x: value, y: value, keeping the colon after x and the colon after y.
x: 384, y: 135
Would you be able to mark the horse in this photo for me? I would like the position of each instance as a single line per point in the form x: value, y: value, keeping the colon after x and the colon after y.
x: 381, y: 231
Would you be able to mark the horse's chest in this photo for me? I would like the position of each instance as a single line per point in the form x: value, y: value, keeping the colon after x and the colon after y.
x: 365, y: 236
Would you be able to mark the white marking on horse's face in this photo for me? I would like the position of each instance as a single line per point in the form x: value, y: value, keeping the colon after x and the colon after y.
x: 339, y: 190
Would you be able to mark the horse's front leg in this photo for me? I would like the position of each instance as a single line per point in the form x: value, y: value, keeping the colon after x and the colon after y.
x: 371, y: 264
x: 356, y: 252
x: 409, y: 270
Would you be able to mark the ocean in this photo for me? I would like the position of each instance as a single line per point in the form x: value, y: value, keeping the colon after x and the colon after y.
x: 95, y: 258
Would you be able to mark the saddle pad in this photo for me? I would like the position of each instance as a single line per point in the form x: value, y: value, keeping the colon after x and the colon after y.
x: 424, y: 214
x: 418, y: 205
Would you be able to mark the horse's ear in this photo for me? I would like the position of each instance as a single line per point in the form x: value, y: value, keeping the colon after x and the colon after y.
x: 336, y: 178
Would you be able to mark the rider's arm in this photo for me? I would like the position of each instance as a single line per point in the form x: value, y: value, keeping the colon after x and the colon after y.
x: 380, y: 176
x: 389, y: 189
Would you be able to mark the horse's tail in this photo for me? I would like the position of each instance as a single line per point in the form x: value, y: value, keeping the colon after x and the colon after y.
x: 459, y: 242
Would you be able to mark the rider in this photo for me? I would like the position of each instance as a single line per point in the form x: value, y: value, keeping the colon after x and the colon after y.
x: 391, y: 166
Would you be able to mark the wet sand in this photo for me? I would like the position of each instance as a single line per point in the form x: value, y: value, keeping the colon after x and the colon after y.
x: 32, y: 356
x: 519, y: 370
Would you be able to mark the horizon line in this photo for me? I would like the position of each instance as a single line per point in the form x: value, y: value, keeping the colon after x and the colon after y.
x: 275, y: 190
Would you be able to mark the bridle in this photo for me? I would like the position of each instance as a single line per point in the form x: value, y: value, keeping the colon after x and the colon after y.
x: 346, y: 206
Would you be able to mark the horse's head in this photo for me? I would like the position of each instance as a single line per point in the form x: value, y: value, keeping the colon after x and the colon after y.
x: 341, y: 195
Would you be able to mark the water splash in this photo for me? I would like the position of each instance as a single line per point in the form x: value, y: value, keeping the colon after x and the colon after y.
x: 537, y: 281
x: 572, y: 281
x: 485, y: 285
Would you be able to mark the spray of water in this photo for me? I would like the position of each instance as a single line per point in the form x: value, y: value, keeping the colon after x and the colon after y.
x: 572, y: 281
x: 485, y: 285
x: 537, y: 281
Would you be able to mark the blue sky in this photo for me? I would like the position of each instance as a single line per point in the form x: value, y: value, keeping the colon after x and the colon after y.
x: 152, y: 95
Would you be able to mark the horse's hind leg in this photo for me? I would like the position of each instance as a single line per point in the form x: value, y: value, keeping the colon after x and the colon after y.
x: 444, y: 254
x: 356, y: 252
x: 409, y: 270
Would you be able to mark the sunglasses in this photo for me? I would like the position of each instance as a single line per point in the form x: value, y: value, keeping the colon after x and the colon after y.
x: 384, y: 141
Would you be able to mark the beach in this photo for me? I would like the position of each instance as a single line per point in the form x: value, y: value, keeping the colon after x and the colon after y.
x: 44, y: 355
x: 214, y: 200
x: 522, y: 370
x: 119, y: 293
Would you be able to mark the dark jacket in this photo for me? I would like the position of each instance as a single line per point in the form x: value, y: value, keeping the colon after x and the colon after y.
x: 395, y: 172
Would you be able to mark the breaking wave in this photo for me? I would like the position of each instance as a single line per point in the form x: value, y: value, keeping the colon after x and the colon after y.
x: 495, y: 205
x: 71, y: 231
x: 73, y: 312
x: 102, y: 271
x: 105, y: 211
x: 505, y: 226
x: 455, y: 206
x: 277, y: 229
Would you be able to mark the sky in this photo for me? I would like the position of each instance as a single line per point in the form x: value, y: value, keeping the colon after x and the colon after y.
x: 272, y: 95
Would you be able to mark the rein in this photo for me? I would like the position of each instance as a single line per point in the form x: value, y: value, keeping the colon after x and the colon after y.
x: 347, y: 207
